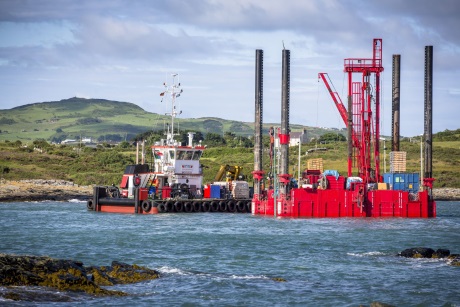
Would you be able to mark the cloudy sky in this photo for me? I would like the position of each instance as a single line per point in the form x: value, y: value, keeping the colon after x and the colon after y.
x: 124, y: 50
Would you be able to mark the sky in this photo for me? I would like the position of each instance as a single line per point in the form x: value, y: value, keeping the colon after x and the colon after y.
x: 124, y: 50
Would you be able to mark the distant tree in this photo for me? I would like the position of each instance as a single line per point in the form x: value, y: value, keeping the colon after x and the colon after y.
x: 59, y: 130
x: 332, y: 137
x: 214, y: 139
x: 124, y: 144
x: 41, y: 143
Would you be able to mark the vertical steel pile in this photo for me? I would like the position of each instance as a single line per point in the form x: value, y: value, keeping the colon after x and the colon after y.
x: 258, y: 172
x: 428, y: 110
x: 284, y: 133
x: 395, y: 111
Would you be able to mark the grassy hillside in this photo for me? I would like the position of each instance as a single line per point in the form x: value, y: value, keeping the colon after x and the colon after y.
x: 22, y: 128
x: 105, y: 120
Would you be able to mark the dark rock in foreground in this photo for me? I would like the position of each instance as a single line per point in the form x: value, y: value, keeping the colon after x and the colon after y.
x: 66, y: 275
x: 426, y: 252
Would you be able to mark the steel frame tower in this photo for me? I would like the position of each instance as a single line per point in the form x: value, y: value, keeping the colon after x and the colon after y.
x: 364, y: 113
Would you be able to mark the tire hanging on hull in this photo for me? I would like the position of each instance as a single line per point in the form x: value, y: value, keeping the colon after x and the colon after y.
x: 90, y: 204
x: 188, y: 207
x: 179, y: 206
x: 196, y: 206
x: 162, y: 208
x: 206, y: 207
x: 241, y: 206
x: 231, y: 206
x: 223, y: 206
x: 146, y: 206
x: 169, y: 206
x: 214, y: 206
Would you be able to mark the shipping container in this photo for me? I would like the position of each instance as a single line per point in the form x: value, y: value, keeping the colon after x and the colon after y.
x: 409, y: 182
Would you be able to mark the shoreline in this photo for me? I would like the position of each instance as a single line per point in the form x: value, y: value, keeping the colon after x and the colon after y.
x: 61, y: 190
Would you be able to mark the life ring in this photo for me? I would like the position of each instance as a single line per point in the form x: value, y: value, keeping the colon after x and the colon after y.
x: 223, y: 206
x: 188, y: 207
x: 146, y: 206
x: 231, y: 206
x: 136, y: 180
x: 179, y: 206
x: 241, y: 206
x: 90, y: 205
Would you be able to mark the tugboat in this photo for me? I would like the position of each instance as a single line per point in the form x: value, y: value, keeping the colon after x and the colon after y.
x: 174, y: 181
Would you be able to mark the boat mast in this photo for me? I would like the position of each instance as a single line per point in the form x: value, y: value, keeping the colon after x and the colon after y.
x: 173, y: 91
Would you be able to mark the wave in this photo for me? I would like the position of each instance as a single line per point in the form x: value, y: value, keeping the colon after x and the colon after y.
x: 176, y: 271
x: 368, y: 254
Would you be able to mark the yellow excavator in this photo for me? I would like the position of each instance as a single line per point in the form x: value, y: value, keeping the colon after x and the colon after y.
x: 230, y: 172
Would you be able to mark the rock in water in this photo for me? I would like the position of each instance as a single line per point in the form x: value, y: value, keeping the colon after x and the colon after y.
x: 68, y: 275
x: 417, y: 252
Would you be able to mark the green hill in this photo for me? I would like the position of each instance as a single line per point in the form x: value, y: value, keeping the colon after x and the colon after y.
x: 106, y: 120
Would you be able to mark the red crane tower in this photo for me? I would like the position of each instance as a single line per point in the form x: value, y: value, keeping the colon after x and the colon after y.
x: 362, y: 117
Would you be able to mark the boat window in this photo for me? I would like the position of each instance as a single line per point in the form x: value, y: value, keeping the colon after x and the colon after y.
x: 171, y: 154
x: 180, y: 155
x: 188, y: 155
x: 197, y: 155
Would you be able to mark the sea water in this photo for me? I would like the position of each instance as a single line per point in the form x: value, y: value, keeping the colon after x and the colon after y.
x: 223, y: 259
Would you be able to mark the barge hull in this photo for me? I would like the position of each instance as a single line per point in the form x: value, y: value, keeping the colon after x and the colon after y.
x: 305, y: 203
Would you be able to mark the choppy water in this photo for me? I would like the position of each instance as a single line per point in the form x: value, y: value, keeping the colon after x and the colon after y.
x: 230, y: 259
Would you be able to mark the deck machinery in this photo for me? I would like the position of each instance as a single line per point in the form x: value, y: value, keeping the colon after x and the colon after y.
x: 362, y: 192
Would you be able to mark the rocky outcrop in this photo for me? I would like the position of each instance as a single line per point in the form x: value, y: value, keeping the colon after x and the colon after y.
x: 39, y: 189
x: 446, y: 194
x: 66, y: 275
x: 426, y: 252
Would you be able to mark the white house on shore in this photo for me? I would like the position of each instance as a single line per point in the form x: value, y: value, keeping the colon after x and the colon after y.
x: 296, y: 137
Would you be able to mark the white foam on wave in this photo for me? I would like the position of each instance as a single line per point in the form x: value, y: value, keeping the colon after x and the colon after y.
x: 170, y: 270
x: 367, y: 254
x: 177, y: 271
x: 76, y: 201
x: 248, y: 277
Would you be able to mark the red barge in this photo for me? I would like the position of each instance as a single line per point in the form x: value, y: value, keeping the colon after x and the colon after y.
x: 364, y: 192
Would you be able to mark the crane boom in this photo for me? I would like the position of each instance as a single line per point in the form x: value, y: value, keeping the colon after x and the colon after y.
x: 335, y: 97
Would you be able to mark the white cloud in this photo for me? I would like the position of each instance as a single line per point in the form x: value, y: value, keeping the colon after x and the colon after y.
x: 123, y: 50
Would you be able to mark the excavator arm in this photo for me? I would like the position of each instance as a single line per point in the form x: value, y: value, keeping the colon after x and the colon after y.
x: 230, y: 172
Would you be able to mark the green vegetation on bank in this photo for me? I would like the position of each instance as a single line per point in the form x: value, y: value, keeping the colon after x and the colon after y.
x: 105, y: 163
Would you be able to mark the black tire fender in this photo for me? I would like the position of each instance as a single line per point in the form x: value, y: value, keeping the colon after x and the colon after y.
x: 231, y: 206
x: 162, y: 208
x: 241, y: 206
x: 214, y: 206
x: 146, y: 206
x: 90, y: 204
x: 196, y: 206
x: 188, y: 207
x: 206, y: 206
x: 179, y: 206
